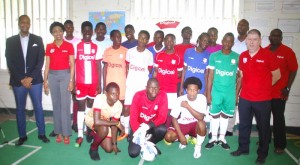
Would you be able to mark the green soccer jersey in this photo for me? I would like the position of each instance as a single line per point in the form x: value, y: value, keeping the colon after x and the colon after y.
x: 225, y: 68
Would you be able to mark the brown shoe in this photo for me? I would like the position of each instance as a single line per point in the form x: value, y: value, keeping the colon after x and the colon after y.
x: 279, y: 151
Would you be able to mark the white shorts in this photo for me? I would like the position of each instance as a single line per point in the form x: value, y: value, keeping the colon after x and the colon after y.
x: 172, y: 98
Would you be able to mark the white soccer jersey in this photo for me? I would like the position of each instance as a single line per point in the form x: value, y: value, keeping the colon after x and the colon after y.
x: 185, y: 116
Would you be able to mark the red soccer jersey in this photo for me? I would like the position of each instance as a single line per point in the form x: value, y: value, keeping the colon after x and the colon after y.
x: 287, y: 63
x: 168, y: 66
x: 257, y: 76
x: 59, y: 56
x: 180, y: 49
x: 143, y: 110
x: 86, y: 71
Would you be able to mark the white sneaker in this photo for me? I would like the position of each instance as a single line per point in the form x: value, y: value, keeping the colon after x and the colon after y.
x: 197, y: 152
x: 181, y: 146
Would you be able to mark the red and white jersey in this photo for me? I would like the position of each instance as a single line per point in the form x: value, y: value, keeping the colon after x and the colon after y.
x: 168, y: 66
x: 138, y: 62
x: 143, y: 110
x: 185, y: 116
x: 86, y: 71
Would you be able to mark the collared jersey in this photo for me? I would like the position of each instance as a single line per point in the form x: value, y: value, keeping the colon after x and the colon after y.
x: 257, y: 76
x: 59, y: 56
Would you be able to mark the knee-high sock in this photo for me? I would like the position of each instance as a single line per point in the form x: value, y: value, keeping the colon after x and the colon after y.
x: 80, y: 120
x: 85, y: 112
x: 223, y: 128
x: 215, y: 123
x: 126, y: 124
x: 97, y: 141
x: 200, y: 140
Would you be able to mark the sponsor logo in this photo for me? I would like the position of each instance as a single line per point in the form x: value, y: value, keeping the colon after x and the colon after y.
x: 244, y: 60
x: 196, y: 70
x: 188, y: 118
x: 64, y: 51
x: 280, y: 57
x: 136, y: 68
x: 191, y: 58
x: 233, y: 61
x: 204, y: 60
x: 165, y: 71
x: 160, y: 60
x: 218, y: 61
x: 83, y: 57
x: 260, y: 61
x: 224, y: 73
x: 111, y: 65
x: 146, y: 117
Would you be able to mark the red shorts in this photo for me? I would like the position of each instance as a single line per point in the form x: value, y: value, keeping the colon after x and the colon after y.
x: 187, y: 129
x: 86, y: 90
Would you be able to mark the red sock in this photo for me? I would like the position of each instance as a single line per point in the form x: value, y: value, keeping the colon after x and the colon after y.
x: 97, y: 141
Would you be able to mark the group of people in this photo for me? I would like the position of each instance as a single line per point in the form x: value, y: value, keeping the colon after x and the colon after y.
x: 149, y: 92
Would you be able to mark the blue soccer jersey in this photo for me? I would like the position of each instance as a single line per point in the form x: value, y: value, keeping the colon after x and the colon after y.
x: 154, y: 52
x: 196, y: 64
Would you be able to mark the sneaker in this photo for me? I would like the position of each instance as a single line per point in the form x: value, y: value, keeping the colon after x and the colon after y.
x: 79, y: 141
x: 167, y: 143
x: 94, y: 155
x: 197, y: 151
x: 52, y: 134
x: 192, y: 140
x: 89, y: 137
x: 119, y: 138
x: 210, y: 145
x: 228, y: 133
x: 223, y: 145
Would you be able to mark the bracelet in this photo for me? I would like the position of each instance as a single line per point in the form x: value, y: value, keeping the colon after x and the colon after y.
x: 118, y: 125
x: 114, y: 143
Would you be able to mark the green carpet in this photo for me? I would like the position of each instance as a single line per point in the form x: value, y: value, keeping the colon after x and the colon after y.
x: 34, y: 152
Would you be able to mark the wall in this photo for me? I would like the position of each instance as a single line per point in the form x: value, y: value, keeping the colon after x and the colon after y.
x: 264, y: 21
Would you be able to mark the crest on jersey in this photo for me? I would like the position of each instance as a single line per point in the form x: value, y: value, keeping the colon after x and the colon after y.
x: 155, y: 107
x: 173, y: 62
x: 204, y: 60
x: 244, y: 60
x: 78, y: 92
x: 52, y: 50
x: 121, y: 56
x: 233, y: 61
x: 93, y: 51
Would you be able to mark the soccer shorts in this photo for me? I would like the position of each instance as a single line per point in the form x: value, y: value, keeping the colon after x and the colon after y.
x: 223, y: 102
x: 86, y: 90
x: 186, y: 129
x: 89, y: 121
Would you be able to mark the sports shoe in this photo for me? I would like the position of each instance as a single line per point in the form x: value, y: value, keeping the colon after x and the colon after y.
x: 94, y: 155
x: 228, y: 133
x: 79, y: 141
x: 52, y: 134
x: 192, y: 140
x: 119, y: 138
x: 210, y: 145
x: 223, y: 145
x: 167, y: 143
x: 197, y: 151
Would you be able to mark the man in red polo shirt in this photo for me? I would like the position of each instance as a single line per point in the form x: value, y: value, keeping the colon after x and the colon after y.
x: 288, y: 68
x: 259, y: 70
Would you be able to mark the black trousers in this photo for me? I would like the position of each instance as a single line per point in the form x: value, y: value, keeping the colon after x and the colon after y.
x: 158, y: 133
x: 262, y: 113
x: 279, y: 132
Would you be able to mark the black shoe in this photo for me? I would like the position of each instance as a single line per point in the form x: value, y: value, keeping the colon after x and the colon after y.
x: 21, y: 141
x: 44, y: 138
x: 239, y: 153
x: 209, y: 135
x: 94, y: 155
x: 210, y: 145
x: 260, y: 160
x: 279, y: 151
x: 224, y: 145
x: 52, y: 134
x: 158, y: 150
x: 74, y: 127
x: 89, y: 137
x: 228, y: 133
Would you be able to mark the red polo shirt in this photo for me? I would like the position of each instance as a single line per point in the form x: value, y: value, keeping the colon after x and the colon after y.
x: 59, y: 56
x: 287, y: 63
x: 257, y: 76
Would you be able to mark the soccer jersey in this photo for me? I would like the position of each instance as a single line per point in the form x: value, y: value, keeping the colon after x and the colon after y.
x: 86, y: 70
x: 102, y: 46
x: 185, y: 117
x: 143, y: 110
x: 257, y: 76
x: 59, y: 56
x: 196, y: 64
x: 287, y: 63
x: 168, y: 66
x: 225, y: 68
x: 154, y: 52
x: 180, y: 49
x: 129, y: 45
x: 116, y: 67
x: 212, y: 49
x: 239, y: 46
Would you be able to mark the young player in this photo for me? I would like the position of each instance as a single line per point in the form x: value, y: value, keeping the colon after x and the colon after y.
x: 188, y: 115
x: 213, y: 37
x: 139, y: 63
x: 103, y: 119
x: 158, y: 45
x: 195, y: 63
x: 223, y: 88
x: 167, y: 69
x: 87, y: 66
x: 129, y: 33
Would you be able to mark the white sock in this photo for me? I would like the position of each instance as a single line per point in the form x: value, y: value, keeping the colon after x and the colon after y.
x: 85, y: 112
x: 197, y: 149
x: 200, y: 140
x: 223, y: 128
x: 215, y: 123
x: 80, y: 120
x: 126, y: 124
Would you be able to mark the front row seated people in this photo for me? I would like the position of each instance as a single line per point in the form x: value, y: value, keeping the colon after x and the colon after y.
x: 103, y: 120
x: 148, y: 113
x: 188, y: 117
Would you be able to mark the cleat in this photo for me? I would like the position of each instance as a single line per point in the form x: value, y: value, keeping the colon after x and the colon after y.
x: 79, y: 141
x: 224, y: 145
x: 210, y: 145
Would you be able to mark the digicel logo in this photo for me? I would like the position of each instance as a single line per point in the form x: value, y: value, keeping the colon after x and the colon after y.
x: 167, y: 24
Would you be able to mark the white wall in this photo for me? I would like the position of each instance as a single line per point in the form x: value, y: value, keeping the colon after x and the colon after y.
x: 264, y: 21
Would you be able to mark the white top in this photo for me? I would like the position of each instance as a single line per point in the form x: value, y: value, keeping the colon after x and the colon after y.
x: 239, y: 47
